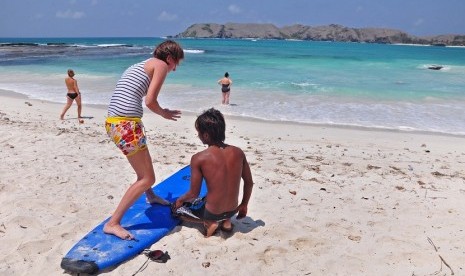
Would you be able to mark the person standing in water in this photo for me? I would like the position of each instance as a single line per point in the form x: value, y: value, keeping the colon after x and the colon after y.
x: 124, y: 125
x: 225, y: 83
x: 73, y: 94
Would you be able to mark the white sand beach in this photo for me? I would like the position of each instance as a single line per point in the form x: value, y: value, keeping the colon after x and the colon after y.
x: 326, y: 200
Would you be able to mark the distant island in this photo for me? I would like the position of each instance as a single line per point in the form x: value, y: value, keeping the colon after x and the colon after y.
x: 332, y: 32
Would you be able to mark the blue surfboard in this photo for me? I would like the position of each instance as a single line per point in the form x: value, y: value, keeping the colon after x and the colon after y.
x: 97, y: 251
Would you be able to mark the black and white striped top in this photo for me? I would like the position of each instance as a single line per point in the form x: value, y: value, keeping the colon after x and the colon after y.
x: 126, y: 100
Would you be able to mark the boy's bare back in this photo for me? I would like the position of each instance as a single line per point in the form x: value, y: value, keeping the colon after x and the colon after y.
x: 222, y: 168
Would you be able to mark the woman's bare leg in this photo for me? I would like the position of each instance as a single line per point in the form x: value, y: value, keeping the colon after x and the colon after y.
x: 226, y: 101
x: 79, y: 106
x: 141, y: 162
x: 69, y: 102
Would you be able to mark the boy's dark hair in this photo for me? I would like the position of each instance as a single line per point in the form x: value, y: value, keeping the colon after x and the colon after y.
x: 169, y: 48
x: 212, y: 122
x: 226, y: 74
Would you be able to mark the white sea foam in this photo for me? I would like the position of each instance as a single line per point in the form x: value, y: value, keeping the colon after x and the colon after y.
x: 193, y: 51
x: 113, y: 45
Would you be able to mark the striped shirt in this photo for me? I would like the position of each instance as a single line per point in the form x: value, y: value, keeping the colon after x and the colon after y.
x: 126, y: 100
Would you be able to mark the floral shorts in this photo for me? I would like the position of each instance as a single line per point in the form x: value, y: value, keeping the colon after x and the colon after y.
x: 127, y: 133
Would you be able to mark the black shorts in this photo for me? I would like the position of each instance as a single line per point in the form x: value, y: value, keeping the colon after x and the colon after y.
x: 204, y: 214
x: 197, y: 210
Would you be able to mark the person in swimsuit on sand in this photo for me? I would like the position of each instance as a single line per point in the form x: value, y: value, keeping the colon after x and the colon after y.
x: 124, y: 125
x: 73, y: 94
x: 222, y: 166
x: 225, y: 83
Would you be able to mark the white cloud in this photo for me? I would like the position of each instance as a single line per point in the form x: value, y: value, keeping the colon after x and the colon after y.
x: 70, y: 14
x: 419, y: 22
x: 166, y: 16
x: 234, y: 9
x: 38, y: 16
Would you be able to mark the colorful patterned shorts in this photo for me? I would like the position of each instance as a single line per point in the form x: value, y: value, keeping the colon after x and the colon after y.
x: 127, y: 133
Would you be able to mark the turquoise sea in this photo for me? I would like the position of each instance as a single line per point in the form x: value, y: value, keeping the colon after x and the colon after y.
x: 329, y: 83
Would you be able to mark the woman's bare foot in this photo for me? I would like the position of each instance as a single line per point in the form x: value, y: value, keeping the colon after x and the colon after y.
x: 118, y: 231
x: 152, y: 198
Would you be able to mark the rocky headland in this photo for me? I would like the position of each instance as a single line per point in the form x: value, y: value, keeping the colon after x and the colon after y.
x: 330, y: 32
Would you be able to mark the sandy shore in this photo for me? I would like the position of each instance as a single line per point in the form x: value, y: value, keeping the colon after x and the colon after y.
x: 326, y: 201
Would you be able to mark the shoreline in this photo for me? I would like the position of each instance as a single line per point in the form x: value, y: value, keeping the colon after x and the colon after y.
x: 328, y: 201
x: 322, y: 94
x: 14, y: 94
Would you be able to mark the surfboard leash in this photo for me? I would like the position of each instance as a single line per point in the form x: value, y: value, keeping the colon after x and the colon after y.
x: 157, y: 256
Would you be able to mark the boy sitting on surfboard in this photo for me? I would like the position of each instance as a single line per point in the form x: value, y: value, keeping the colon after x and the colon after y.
x: 222, y: 166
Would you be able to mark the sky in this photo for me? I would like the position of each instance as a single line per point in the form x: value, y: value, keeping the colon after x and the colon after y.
x: 152, y: 18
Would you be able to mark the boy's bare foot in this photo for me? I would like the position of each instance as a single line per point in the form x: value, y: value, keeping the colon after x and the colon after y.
x: 210, y: 228
x: 227, y: 226
x: 118, y: 231
x: 81, y: 121
x: 62, y: 118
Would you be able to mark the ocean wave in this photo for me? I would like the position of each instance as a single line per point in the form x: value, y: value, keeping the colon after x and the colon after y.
x: 61, y: 44
x: 193, y: 51
x: 114, y: 45
x: 17, y: 53
x: 303, y: 84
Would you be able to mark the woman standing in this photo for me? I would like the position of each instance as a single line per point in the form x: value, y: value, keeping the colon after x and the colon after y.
x: 225, y: 83
x: 73, y: 94
x: 125, y: 127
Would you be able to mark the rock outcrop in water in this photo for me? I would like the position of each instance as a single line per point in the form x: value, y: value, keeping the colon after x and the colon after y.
x: 320, y: 33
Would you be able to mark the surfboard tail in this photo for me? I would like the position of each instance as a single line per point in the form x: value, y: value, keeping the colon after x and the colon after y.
x: 79, y: 266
